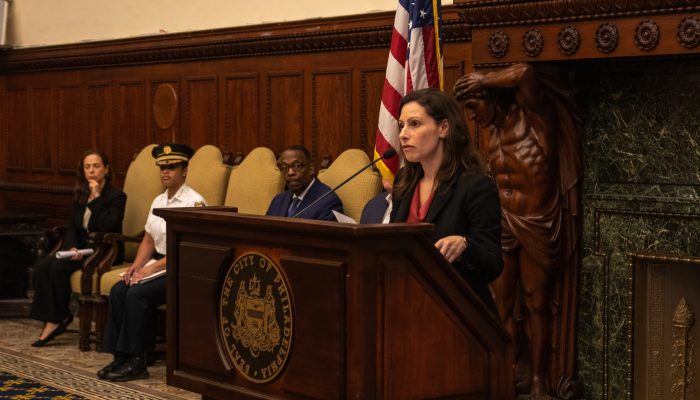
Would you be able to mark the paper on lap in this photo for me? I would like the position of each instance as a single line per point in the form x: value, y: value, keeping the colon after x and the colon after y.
x: 153, y: 275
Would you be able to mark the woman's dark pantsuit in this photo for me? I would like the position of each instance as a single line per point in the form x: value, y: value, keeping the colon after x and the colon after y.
x: 132, y: 315
x: 52, y: 289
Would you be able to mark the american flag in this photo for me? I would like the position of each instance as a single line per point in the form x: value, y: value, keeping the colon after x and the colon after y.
x: 415, y: 62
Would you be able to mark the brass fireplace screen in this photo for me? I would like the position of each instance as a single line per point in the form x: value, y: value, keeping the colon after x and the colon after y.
x: 664, y: 297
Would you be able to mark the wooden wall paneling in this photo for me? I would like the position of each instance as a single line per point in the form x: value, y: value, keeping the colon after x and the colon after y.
x: 3, y: 135
x: 241, y: 113
x: 99, y: 116
x: 284, y: 110
x: 42, y: 140
x: 451, y: 73
x: 131, y: 133
x: 17, y: 130
x: 371, y: 86
x: 3, y: 138
x: 200, y: 107
x: 40, y: 199
x: 237, y: 88
x: 72, y: 136
x: 331, y: 104
x: 174, y: 133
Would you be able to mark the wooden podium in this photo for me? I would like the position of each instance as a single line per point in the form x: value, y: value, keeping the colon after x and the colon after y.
x: 271, y: 308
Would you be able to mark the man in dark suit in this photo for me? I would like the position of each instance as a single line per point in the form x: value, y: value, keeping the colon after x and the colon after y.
x: 378, y: 209
x: 302, y: 189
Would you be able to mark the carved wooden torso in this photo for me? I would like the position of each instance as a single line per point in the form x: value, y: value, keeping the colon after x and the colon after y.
x: 519, y: 157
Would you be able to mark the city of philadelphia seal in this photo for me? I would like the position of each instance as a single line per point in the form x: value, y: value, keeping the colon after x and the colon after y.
x: 255, y: 317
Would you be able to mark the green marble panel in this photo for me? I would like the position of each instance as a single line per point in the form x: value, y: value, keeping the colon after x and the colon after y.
x: 641, y: 149
x: 644, y: 127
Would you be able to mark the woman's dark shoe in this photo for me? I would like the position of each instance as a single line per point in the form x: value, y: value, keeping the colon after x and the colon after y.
x: 134, y: 368
x: 43, y: 342
x: 116, y: 363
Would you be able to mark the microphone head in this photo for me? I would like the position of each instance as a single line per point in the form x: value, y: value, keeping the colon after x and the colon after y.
x: 389, y: 153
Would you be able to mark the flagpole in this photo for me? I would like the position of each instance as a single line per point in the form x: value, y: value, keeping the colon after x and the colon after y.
x: 438, y: 54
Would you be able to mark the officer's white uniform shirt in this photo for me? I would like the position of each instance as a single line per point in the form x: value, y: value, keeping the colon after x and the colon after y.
x: 155, y: 226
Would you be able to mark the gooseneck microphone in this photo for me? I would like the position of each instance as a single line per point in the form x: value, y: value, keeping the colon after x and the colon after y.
x: 387, y: 155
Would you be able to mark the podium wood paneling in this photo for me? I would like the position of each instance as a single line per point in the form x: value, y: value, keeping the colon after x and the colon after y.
x: 377, y: 312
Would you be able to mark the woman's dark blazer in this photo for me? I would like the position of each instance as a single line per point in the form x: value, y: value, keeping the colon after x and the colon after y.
x: 107, y: 215
x: 469, y: 207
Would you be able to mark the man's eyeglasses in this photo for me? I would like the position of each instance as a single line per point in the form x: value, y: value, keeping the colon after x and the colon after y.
x: 296, y: 167
x: 169, y: 167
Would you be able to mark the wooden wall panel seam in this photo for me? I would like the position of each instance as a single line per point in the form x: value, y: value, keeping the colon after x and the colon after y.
x: 346, y: 134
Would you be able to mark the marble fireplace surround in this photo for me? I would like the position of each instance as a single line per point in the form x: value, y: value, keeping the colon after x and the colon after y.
x: 641, y: 154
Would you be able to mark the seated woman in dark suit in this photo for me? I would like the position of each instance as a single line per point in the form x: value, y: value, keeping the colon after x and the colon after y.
x: 444, y: 182
x: 97, y: 207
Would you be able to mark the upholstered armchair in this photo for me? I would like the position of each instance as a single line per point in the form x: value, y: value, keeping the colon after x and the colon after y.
x: 254, y: 182
x: 141, y: 185
x: 358, y: 191
x: 208, y: 174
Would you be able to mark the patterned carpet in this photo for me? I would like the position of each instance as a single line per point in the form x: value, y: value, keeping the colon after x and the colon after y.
x: 14, y: 387
x: 62, y: 366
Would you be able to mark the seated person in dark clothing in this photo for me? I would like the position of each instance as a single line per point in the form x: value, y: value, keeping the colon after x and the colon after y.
x: 378, y: 209
x: 132, y: 304
x: 302, y: 189
x: 97, y: 207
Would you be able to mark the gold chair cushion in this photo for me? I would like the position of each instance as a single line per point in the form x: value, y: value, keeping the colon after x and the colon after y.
x: 75, y: 281
x: 141, y: 185
x: 361, y: 189
x: 208, y: 175
x: 254, y: 182
x: 111, y: 277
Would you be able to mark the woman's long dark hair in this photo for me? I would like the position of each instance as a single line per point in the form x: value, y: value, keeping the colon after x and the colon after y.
x: 458, y: 149
x: 82, y: 188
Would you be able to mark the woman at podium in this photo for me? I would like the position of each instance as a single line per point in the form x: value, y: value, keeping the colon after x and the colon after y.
x: 444, y: 182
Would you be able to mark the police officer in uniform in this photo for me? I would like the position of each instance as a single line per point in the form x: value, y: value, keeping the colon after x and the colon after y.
x: 133, y: 300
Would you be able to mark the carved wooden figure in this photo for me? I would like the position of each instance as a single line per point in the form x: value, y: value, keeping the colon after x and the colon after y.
x: 533, y: 153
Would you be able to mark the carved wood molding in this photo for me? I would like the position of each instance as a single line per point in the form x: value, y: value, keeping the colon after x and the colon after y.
x: 490, y: 13
x: 230, y: 43
x: 670, y: 34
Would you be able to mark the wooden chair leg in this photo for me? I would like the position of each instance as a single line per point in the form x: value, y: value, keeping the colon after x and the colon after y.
x: 85, y: 315
x: 100, y: 313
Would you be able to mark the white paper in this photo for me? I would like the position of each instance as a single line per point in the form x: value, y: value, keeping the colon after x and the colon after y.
x: 151, y: 276
x: 343, y: 218
x: 70, y: 253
